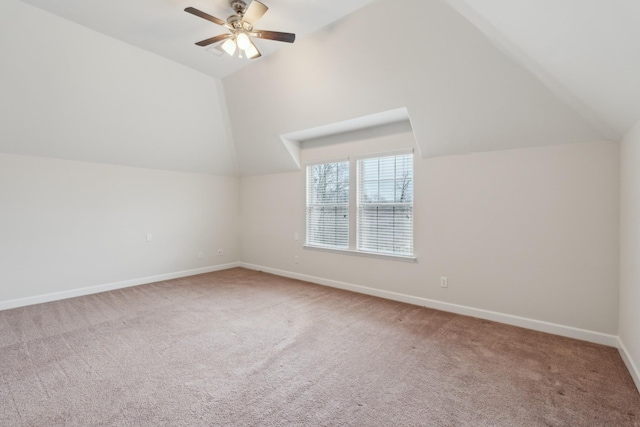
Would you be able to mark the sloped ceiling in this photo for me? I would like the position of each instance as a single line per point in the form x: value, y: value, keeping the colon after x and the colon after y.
x: 463, y: 94
x: 473, y: 75
x: 72, y: 93
x: 587, y: 51
x: 162, y: 27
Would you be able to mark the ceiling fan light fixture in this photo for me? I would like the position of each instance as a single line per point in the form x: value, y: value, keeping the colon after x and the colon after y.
x: 252, y: 51
x: 243, y: 41
x: 240, y: 26
x: 229, y: 46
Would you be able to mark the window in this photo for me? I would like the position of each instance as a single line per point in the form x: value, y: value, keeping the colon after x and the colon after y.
x: 374, y: 197
x: 328, y: 205
x: 385, y: 205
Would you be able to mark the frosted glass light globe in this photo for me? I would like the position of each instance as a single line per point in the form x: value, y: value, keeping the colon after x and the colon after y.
x: 243, y: 41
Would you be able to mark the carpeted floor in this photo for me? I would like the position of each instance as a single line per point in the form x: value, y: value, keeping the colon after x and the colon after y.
x: 243, y: 348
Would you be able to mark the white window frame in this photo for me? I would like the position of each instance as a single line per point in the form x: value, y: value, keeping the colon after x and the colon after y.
x: 353, y: 209
x: 366, y: 238
x: 311, y: 238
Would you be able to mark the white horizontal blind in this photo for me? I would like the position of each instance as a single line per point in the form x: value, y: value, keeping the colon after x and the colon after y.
x: 385, y: 205
x: 328, y: 205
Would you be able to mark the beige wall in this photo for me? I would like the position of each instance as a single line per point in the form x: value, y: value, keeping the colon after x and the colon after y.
x: 531, y: 233
x: 630, y: 250
x: 72, y: 93
x: 66, y: 225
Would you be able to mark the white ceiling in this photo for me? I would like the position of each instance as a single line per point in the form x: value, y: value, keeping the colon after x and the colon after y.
x: 162, y: 27
x: 462, y: 94
x: 474, y: 75
x: 586, y: 51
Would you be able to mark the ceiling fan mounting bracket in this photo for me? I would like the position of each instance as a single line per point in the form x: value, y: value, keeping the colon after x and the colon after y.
x: 239, y: 6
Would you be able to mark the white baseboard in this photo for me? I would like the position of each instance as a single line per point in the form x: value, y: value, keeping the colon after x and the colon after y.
x: 536, y: 325
x: 55, y: 296
x: 633, y: 369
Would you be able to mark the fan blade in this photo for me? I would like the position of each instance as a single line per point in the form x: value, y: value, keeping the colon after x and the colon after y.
x: 201, y: 14
x: 254, y: 12
x: 274, y: 35
x: 215, y: 39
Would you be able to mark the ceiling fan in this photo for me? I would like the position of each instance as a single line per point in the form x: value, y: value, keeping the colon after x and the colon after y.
x: 241, y: 29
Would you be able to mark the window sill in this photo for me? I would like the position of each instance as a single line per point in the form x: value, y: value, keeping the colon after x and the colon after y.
x: 402, y: 258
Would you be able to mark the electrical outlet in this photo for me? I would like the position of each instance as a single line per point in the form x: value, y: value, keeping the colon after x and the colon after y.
x: 220, y: 252
x: 296, y: 259
x: 149, y: 237
x: 200, y: 255
x: 444, y: 282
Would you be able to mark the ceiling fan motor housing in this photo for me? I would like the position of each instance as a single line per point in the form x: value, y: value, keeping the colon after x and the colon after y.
x: 235, y: 21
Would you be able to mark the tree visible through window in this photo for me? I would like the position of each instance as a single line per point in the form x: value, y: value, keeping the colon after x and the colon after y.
x: 385, y: 205
x: 328, y: 205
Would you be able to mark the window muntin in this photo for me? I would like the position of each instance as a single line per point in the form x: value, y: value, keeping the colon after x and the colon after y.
x: 328, y: 205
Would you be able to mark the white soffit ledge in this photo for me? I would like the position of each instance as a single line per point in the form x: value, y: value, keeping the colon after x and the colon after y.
x: 359, y: 123
x: 293, y: 141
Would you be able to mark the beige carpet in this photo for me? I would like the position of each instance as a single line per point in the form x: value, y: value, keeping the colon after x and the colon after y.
x: 243, y: 348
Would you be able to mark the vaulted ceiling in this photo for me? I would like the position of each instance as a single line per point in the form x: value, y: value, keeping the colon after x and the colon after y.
x: 467, y: 86
x: 472, y: 75
x: 587, y: 51
x: 163, y: 28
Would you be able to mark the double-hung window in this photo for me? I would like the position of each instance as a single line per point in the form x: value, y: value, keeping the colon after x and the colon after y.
x: 385, y: 205
x: 363, y: 205
x: 328, y: 205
